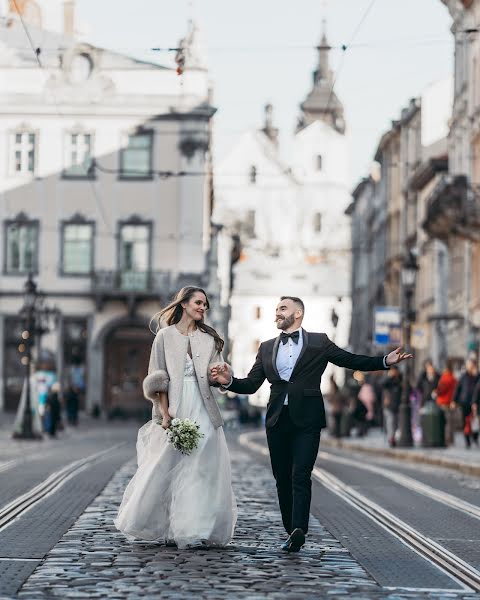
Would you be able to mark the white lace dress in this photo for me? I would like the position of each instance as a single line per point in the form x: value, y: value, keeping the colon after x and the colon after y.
x: 178, y: 498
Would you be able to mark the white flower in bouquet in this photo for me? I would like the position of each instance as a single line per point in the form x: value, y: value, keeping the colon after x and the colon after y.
x: 184, y: 435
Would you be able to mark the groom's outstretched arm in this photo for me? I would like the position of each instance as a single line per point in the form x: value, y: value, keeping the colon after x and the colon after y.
x: 250, y: 383
x: 359, y: 362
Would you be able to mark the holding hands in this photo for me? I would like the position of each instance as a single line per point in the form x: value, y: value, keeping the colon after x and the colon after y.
x: 221, y: 373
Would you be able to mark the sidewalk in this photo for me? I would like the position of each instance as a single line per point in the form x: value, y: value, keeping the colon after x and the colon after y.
x: 455, y: 457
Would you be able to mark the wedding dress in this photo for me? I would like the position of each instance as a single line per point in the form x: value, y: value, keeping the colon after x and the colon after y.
x: 185, y: 499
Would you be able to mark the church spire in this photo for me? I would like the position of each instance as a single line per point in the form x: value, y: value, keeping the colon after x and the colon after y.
x: 323, y: 72
x: 322, y: 104
x: 192, y: 49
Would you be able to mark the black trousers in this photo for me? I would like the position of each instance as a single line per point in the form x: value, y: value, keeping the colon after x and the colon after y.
x: 293, y: 451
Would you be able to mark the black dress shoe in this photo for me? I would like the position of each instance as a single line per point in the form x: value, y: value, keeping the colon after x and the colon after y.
x: 295, y: 541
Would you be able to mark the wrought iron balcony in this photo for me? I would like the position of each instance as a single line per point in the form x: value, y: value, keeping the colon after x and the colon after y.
x: 453, y: 209
x: 140, y: 285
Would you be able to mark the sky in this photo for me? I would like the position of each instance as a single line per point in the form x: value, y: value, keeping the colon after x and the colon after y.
x: 263, y: 51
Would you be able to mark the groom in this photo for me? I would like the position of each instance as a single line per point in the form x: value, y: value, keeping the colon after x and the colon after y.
x: 294, y: 363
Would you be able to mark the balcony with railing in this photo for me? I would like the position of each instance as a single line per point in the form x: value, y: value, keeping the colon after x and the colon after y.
x: 453, y: 209
x: 133, y: 286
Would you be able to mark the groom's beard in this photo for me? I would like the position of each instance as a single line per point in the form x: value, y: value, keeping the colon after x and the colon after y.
x: 285, y: 322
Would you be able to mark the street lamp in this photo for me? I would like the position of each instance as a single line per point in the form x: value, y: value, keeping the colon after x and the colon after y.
x: 33, y: 315
x: 27, y: 313
x: 408, y: 277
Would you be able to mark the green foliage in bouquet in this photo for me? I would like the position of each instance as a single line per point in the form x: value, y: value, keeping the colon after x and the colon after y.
x: 184, y: 435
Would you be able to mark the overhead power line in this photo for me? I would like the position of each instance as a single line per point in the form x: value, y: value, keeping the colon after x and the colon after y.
x: 345, y: 47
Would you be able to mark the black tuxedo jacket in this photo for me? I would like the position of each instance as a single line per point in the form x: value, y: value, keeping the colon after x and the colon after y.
x: 305, y: 401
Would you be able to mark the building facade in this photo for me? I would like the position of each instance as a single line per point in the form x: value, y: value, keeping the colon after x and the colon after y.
x: 390, y: 208
x: 105, y: 197
x: 452, y: 207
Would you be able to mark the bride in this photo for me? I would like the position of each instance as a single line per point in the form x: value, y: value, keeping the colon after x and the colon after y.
x: 174, y: 498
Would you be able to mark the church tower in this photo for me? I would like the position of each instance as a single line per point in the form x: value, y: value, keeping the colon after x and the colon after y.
x: 322, y: 104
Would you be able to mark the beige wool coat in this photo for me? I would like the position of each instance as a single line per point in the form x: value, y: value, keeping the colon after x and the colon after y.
x: 166, y: 369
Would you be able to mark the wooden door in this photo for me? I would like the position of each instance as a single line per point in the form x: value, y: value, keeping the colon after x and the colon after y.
x: 127, y: 355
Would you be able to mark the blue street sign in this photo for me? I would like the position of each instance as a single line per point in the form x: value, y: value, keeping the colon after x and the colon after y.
x: 387, y: 325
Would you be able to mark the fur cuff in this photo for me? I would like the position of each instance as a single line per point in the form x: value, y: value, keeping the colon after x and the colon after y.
x: 154, y: 383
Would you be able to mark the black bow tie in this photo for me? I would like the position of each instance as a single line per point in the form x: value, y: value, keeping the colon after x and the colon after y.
x: 294, y: 336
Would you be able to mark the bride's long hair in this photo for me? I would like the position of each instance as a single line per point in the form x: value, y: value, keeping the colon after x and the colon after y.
x: 173, y: 312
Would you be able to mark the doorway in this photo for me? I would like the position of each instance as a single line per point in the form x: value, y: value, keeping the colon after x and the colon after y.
x: 127, y: 352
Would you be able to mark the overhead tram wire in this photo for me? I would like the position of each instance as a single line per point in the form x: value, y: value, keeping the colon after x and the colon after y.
x: 408, y: 41
x: 345, y: 47
x: 37, y: 51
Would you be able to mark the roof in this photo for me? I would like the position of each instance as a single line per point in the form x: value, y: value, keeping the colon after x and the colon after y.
x: 12, y: 36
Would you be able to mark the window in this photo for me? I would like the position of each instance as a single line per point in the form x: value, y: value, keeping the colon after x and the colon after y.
x: 258, y: 312
x: 21, y: 240
x: 78, y: 155
x: 23, y: 153
x: 317, y: 222
x: 77, y: 248
x: 136, y: 158
x: 134, y: 255
x: 253, y: 174
x: 319, y: 162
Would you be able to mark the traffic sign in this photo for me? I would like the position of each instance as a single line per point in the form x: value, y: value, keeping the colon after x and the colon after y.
x: 387, y: 326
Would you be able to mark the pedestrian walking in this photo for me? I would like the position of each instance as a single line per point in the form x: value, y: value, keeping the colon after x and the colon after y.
x: 464, y: 396
x: 427, y: 382
x: 338, y: 403
x: 391, y: 398
x: 72, y: 401
x: 294, y: 363
x: 367, y: 397
x: 444, y: 398
x: 175, y: 498
x: 357, y: 409
x: 53, y: 410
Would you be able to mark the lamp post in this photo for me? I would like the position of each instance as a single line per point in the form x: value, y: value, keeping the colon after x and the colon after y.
x: 33, y: 315
x: 28, y: 318
x: 409, y: 274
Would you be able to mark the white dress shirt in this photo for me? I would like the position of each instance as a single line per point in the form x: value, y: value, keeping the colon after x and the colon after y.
x: 287, y: 357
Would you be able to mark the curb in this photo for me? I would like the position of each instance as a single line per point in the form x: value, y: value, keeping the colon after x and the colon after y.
x: 411, y: 456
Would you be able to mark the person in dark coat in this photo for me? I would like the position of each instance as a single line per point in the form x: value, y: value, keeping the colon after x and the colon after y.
x: 337, y: 402
x: 72, y: 401
x: 391, y: 398
x: 427, y: 382
x: 53, y: 408
x: 465, y: 394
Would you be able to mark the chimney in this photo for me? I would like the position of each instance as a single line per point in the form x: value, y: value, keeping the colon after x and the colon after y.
x: 69, y: 17
x: 269, y: 130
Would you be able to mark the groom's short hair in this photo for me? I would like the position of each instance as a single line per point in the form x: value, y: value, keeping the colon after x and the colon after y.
x: 297, y: 301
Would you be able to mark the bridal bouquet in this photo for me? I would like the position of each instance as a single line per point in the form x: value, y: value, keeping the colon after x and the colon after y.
x: 184, y: 435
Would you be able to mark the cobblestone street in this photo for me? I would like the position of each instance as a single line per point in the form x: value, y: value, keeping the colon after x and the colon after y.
x: 93, y: 560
